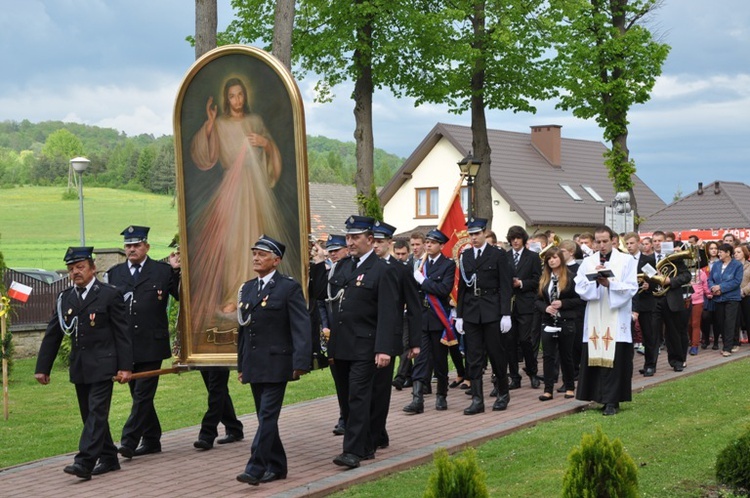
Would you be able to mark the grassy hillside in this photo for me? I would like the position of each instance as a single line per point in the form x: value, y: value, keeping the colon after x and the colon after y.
x: 37, y: 225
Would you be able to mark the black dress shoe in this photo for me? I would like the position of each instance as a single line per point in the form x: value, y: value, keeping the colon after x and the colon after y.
x: 104, y: 467
x: 78, y: 470
x: 398, y: 384
x: 535, y: 383
x: 493, y: 393
x: 441, y: 404
x: 347, y: 460
x: 146, y: 450
x: 609, y: 409
x: 202, y: 444
x: 272, y: 476
x: 678, y: 368
x: 126, y: 451
x: 230, y: 438
x: 408, y: 383
x: 455, y: 383
x: 514, y: 384
x: 545, y: 397
x: 501, y: 403
x: 248, y: 479
x: 561, y: 389
x: 339, y: 430
x: 648, y: 372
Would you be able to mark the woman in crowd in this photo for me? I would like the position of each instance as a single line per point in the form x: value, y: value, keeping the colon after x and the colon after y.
x: 700, y: 291
x: 708, y: 315
x: 724, y: 281
x: 560, y: 306
x: 742, y: 254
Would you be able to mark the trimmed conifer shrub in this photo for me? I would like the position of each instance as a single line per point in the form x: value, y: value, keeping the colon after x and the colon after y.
x: 733, y: 464
x: 600, y: 468
x: 458, y: 477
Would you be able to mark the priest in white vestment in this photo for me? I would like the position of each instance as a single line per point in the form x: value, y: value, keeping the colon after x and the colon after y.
x: 607, y: 356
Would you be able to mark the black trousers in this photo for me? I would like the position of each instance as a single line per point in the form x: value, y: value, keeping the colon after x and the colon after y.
x: 651, y: 340
x: 267, y: 453
x: 381, y: 402
x: 458, y: 358
x: 485, y: 339
x: 143, y: 421
x: 674, y: 326
x: 435, y: 359
x: 220, y: 406
x: 726, y: 318
x: 554, y: 344
x: 340, y: 395
x: 96, y: 439
x: 354, y: 380
x: 522, y: 334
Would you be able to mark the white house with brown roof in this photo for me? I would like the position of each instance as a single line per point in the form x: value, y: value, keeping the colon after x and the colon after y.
x: 539, y: 180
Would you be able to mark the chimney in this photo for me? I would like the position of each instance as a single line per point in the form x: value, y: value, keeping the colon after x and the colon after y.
x: 700, y: 188
x: 546, y: 140
x: 717, y: 188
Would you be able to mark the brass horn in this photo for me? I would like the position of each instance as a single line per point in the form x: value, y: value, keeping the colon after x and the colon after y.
x: 555, y: 242
x: 666, y: 268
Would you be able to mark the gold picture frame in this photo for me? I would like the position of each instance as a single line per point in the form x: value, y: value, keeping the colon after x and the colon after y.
x: 241, y: 165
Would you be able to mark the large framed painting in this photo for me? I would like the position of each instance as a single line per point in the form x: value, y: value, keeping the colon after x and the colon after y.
x: 241, y: 162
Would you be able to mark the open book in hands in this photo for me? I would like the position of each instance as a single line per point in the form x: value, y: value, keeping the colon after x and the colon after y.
x: 605, y: 272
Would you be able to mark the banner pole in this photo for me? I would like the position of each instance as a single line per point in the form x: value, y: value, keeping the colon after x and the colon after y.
x: 3, y: 326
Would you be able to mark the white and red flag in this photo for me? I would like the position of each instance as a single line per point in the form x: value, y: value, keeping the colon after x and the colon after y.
x: 19, y: 291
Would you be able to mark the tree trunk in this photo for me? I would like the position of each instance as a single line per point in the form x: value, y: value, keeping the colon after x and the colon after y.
x: 362, y: 96
x: 479, y: 140
x: 205, y: 26
x: 282, y: 32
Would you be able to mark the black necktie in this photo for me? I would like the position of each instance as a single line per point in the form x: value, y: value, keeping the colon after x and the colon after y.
x: 428, y: 265
x: 80, y: 291
x: 479, y: 253
x: 355, y: 259
x: 260, y: 285
x: 136, y: 272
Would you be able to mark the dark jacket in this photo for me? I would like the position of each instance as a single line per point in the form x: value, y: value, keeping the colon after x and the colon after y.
x: 493, y: 284
x: 100, y: 344
x: 408, y: 299
x: 572, y: 304
x: 147, y: 320
x: 439, y: 282
x: 675, y: 295
x: 529, y: 271
x: 276, y: 340
x: 644, y: 301
x: 366, y: 319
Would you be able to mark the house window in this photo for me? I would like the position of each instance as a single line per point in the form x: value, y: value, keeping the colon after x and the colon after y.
x: 427, y: 202
x: 592, y: 193
x: 572, y: 193
x: 465, y: 199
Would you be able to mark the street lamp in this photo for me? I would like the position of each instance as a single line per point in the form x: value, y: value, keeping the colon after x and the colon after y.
x: 469, y: 168
x: 79, y: 165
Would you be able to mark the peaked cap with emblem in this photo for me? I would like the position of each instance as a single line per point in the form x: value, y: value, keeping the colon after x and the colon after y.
x: 135, y: 234
x: 76, y: 254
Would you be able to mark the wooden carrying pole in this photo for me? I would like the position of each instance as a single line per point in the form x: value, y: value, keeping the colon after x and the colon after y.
x: 151, y: 373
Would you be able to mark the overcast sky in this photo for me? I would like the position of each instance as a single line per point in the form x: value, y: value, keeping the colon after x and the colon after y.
x: 118, y: 64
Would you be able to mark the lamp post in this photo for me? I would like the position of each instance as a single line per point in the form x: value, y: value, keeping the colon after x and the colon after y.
x: 469, y: 167
x: 79, y: 165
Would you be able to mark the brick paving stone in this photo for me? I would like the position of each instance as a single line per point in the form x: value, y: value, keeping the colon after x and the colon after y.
x: 306, y: 431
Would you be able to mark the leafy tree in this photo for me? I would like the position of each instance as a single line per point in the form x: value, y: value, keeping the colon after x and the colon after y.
x: 163, y: 170
x: 60, y: 147
x: 608, y: 61
x: 144, y: 165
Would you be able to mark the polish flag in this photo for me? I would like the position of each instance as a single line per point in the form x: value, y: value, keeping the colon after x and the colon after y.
x: 453, y: 225
x: 19, y: 291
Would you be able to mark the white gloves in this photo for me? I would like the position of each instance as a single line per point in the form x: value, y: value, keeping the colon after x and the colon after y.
x: 460, y: 325
x: 418, y: 277
x: 587, y: 250
x: 505, y: 324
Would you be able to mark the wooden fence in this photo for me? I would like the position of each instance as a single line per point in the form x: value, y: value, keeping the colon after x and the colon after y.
x: 38, y: 309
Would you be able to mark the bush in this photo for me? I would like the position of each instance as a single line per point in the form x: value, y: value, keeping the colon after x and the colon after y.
x: 460, y: 477
x: 733, y: 464
x: 600, y: 468
x: 63, y: 354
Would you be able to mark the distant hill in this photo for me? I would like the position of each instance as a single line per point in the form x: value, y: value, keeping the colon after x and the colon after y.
x: 38, y: 154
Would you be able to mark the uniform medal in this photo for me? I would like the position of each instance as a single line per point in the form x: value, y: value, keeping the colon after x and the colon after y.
x: 263, y: 304
x: 359, y: 279
x: 92, y: 316
x: 159, y: 296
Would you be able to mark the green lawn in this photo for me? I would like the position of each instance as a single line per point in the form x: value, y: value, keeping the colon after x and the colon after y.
x: 673, y: 432
x: 38, y: 225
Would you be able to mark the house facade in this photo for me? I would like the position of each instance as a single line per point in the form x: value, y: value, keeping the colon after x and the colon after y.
x: 540, y: 181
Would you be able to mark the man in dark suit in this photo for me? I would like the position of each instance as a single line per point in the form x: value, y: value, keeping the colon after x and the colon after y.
x: 670, y: 313
x: 92, y: 314
x: 146, y: 285
x: 410, y: 323
x: 274, y: 347
x: 483, y: 313
x: 435, y: 278
x: 644, y: 304
x: 362, y: 334
x: 527, y: 270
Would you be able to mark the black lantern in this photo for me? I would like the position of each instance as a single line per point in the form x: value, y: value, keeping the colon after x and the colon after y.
x: 469, y: 166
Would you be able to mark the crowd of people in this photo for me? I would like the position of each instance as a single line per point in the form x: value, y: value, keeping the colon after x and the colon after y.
x: 387, y: 314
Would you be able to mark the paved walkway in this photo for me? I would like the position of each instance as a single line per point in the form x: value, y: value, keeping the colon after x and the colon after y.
x: 306, y: 430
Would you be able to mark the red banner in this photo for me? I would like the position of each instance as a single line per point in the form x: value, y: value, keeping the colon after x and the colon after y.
x: 454, y: 226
